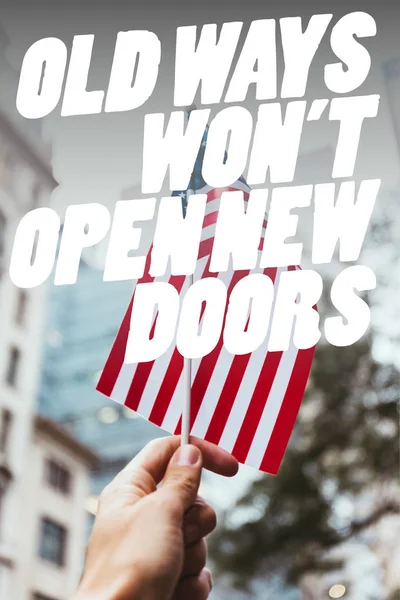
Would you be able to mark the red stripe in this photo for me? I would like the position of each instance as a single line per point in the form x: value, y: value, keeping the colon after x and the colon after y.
x: 115, y: 360
x: 171, y: 378
x: 288, y: 413
x: 210, y: 219
x: 205, y: 247
x: 289, y: 409
x: 143, y: 370
x: 216, y: 193
x: 208, y: 363
x: 230, y: 390
x: 167, y: 388
x: 116, y: 357
x: 257, y: 403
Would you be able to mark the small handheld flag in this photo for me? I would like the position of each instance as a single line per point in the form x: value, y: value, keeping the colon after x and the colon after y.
x: 247, y: 404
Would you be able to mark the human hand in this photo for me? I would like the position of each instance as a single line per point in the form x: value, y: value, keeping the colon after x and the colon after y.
x: 148, y: 543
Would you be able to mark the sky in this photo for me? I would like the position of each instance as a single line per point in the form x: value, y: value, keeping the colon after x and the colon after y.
x: 98, y: 158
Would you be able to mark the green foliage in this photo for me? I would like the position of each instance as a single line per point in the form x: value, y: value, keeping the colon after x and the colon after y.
x: 345, y: 443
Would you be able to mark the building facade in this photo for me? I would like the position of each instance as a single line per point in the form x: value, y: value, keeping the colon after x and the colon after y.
x: 26, y: 182
x: 57, y: 480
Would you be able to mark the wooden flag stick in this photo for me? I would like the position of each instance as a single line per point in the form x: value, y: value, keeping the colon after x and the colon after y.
x: 187, y: 373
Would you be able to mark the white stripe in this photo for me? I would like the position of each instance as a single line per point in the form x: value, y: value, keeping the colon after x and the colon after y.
x: 154, y: 382
x: 174, y: 410
x: 246, y: 389
x: 208, y: 232
x: 123, y: 383
x: 212, y: 394
x: 212, y: 206
x: 158, y: 370
x: 272, y: 408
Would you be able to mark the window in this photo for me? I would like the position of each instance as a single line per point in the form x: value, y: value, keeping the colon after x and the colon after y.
x: 6, y: 419
x: 58, y: 477
x: 5, y: 481
x: 13, y: 365
x: 21, y: 307
x: 53, y: 538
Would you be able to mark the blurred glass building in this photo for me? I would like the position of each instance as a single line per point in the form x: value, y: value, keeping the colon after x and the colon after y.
x: 83, y: 320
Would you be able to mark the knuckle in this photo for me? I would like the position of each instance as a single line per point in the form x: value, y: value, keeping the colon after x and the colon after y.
x: 186, y: 485
x: 195, y: 588
x: 195, y: 559
x: 200, y: 557
x: 204, y: 516
x: 154, y: 443
x: 183, y: 483
x: 129, y: 486
x: 210, y: 518
x: 200, y: 502
x: 142, y: 481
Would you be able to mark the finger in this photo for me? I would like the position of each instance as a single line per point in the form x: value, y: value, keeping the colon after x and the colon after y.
x: 194, y: 588
x: 182, y: 480
x: 199, y: 521
x: 195, y: 559
x: 155, y: 457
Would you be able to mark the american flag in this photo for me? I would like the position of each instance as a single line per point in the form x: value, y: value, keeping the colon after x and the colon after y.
x: 246, y: 404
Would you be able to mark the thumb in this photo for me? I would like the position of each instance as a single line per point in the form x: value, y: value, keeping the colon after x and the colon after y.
x: 183, y: 475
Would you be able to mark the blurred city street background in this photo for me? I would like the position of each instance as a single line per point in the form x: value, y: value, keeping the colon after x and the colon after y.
x: 328, y: 525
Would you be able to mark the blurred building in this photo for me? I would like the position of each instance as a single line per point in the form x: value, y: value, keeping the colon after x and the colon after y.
x: 371, y: 562
x: 83, y: 320
x: 391, y: 74
x: 26, y: 182
x: 57, y: 480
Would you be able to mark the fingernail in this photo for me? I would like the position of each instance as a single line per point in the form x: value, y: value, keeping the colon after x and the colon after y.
x: 187, y: 455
